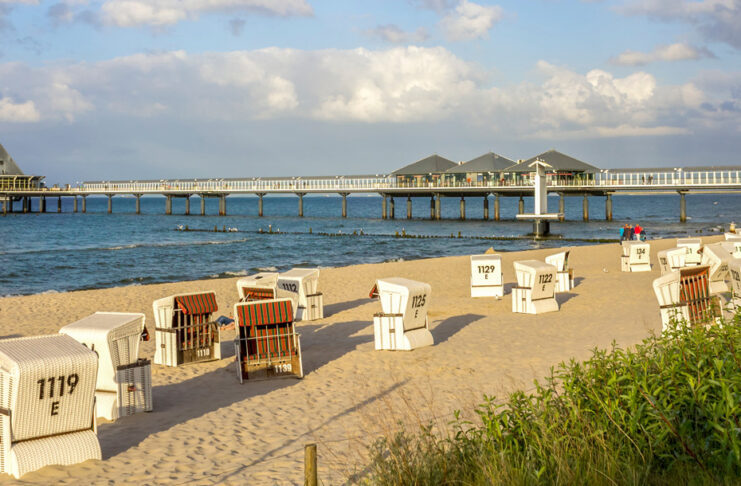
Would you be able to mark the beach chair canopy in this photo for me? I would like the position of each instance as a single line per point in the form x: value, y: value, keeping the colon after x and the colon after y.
x: 202, y: 303
x: 298, y: 283
x: 559, y: 260
x: 734, y: 274
x: 258, y: 286
x: 692, y: 247
x: 278, y: 311
x: 406, y: 298
x: 486, y: 269
x: 717, y: 258
x: 732, y: 246
x: 538, y: 276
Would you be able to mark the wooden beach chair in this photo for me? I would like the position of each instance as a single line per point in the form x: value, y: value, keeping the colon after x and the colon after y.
x: 301, y: 286
x: 47, y: 403
x: 732, y: 246
x: 564, y: 274
x: 402, y: 325
x: 717, y: 259
x: 124, y: 384
x: 693, y: 247
x: 672, y: 259
x: 486, y: 276
x: 535, y: 292
x: 185, y: 330
x: 267, y: 344
x: 636, y: 256
x: 260, y: 286
x: 685, y: 295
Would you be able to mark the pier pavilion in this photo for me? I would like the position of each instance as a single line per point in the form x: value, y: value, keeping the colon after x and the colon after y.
x: 423, y: 173
x: 482, y: 169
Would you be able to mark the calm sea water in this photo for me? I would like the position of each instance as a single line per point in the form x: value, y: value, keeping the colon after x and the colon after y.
x: 61, y: 252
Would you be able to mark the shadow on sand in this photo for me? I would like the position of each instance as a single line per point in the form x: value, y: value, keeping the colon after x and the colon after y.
x: 332, y: 309
x: 447, y: 328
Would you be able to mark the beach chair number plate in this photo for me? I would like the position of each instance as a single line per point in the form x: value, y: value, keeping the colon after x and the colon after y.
x: 63, y: 383
x: 487, y: 269
x: 544, y: 279
x: 291, y: 287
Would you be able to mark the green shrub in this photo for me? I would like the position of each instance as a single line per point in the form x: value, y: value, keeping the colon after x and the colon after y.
x: 667, y: 412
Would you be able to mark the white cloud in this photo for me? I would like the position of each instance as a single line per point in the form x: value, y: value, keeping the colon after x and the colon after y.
x: 394, y: 34
x: 470, y: 21
x: 667, y: 53
x: 159, y: 13
x: 18, y: 112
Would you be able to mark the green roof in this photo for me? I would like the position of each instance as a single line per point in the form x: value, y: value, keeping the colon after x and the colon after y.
x: 434, y: 164
x: 557, y: 160
x: 7, y: 164
x: 489, y: 162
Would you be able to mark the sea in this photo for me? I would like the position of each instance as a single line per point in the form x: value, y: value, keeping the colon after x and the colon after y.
x: 59, y: 252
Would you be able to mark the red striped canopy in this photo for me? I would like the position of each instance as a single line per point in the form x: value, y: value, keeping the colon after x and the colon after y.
x: 263, y: 313
x: 197, y: 303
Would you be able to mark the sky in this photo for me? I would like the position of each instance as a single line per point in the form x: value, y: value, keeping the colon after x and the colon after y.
x: 151, y: 89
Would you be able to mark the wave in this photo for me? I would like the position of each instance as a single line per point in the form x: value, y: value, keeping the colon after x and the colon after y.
x: 227, y: 274
x: 125, y: 247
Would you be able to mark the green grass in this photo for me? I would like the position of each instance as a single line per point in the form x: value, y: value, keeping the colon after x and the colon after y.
x: 667, y: 413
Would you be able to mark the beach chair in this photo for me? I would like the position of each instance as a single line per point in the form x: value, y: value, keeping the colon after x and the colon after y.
x: 717, y: 259
x: 259, y: 286
x: 685, y: 295
x: 300, y: 285
x: 267, y: 344
x: 402, y: 325
x: 734, y: 277
x: 732, y: 246
x: 672, y: 259
x: 47, y: 403
x: 535, y: 292
x: 693, y: 247
x: 636, y: 256
x: 486, y: 276
x: 124, y: 384
x: 185, y: 331
x: 564, y: 274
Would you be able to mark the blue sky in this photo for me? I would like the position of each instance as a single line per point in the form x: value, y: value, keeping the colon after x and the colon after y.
x: 122, y: 89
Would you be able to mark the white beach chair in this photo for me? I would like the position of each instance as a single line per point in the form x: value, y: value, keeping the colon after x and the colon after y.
x: 486, y: 276
x: 301, y: 285
x: 636, y: 256
x: 693, y: 247
x: 124, y: 384
x: 672, y: 259
x: 47, y: 403
x: 734, y: 277
x: 403, y: 324
x: 732, y: 246
x: 185, y: 331
x: 717, y: 259
x: 259, y: 286
x: 564, y: 274
x: 266, y: 344
x: 685, y: 295
x: 535, y: 292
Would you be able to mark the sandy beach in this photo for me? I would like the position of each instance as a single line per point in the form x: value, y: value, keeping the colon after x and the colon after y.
x: 206, y: 428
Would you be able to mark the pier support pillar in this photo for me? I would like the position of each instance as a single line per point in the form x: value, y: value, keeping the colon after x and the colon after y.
x: 496, y: 207
x: 344, y: 205
x: 486, y: 207
x: 110, y: 203
x: 222, y: 205
x: 74, y: 204
x: 432, y: 207
x: 5, y: 207
x: 42, y: 204
x: 608, y: 207
x: 682, y: 208
x: 438, y: 210
x: 562, y: 206
x: 84, y: 204
x: 168, y: 205
x: 10, y: 204
x: 25, y: 205
x: 300, y: 205
x: 585, y: 207
x: 187, y: 205
x: 138, y: 203
x: 59, y: 204
x: 521, y: 206
x: 391, y: 208
x: 383, y: 207
x: 259, y: 205
x: 409, y: 207
x: 463, y: 208
x: 203, y: 205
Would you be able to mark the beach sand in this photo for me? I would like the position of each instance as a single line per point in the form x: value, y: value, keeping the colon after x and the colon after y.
x: 206, y: 428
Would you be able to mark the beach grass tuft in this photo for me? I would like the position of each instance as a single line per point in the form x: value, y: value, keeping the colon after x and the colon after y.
x: 665, y: 412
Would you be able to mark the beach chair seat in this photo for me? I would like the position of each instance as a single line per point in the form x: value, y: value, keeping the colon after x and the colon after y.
x: 47, y: 403
x: 260, y: 286
x: 301, y: 286
x: 185, y: 330
x: 486, y: 276
x: 693, y: 247
x: 535, y: 292
x: 267, y: 344
x: 115, y: 337
x: 402, y: 325
x: 564, y: 274
x: 636, y: 256
x: 685, y: 295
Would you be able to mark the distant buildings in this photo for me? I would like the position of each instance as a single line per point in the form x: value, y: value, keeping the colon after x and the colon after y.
x: 12, y: 177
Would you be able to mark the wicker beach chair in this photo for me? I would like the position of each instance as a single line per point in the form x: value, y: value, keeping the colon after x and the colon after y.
x: 47, y: 403
x: 267, y: 344
x: 260, y: 286
x: 636, y: 256
x: 486, y: 276
x: 402, y: 325
x: 685, y: 295
x: 564, y: 274
x: 124, y: 384
x: 185, y: 331
x: 535, y: 292
x: 301, y: 285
